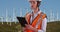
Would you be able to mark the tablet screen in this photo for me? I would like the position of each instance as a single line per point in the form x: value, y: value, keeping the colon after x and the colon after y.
x: 22, y: 21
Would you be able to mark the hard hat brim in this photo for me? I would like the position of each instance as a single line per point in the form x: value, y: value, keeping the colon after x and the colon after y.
x: 34, y: 0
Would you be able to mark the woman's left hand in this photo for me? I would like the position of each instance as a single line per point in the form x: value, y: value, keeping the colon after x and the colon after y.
x: 31, y: 28
x: 28, y: 26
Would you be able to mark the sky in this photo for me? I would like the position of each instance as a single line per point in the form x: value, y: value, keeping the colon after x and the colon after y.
x: 23, y: 5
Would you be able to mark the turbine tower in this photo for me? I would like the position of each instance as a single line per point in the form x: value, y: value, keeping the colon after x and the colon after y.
x: 1, y: 19
x: 14, y: 16
x: 20, y: 12
x: 10, y: 21
x: 51, y: 15
x: 6, y: 16
x: 57, y: 16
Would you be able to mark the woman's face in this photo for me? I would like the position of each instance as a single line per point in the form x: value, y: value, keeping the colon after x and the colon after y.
x: 33, y: 4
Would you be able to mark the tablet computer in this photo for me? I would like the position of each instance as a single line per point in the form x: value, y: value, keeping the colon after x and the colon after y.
x: 22, y: 21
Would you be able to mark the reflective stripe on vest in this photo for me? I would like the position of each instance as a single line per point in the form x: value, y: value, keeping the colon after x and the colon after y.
x: 36, y: 20
x: 40, y: 25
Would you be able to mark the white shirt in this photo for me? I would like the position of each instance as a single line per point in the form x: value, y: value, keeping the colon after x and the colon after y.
x: 44, y: 23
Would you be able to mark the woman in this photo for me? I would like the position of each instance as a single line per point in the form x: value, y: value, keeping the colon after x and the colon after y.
x: 37, y: 20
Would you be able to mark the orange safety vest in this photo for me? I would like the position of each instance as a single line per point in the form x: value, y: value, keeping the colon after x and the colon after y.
x: 36, y: 20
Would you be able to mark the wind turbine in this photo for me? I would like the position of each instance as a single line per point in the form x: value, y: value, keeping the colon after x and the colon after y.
x: 57, y: 16
x: 14, y: 16
x: 51, y: 15
x: 20, y: 12
x: 6, y: 16
x: 1, y: 18
x: 10, y: 21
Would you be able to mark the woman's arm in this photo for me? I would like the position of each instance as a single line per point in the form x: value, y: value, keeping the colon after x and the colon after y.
x: 44, y: 24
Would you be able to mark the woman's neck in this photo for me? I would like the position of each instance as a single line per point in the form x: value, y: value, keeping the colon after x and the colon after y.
x: 36, y: 10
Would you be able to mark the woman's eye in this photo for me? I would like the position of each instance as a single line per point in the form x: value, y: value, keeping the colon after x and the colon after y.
x: 34, y: 2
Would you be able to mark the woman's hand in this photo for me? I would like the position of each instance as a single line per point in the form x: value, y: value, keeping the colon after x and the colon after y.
x: 31, y: 28
x: 28, y: 26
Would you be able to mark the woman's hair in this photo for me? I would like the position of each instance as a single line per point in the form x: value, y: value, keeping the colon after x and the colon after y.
x: 38, y: 3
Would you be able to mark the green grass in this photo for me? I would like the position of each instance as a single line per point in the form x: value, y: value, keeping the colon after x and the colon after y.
x: 7, y: 28
x: 51, y: 27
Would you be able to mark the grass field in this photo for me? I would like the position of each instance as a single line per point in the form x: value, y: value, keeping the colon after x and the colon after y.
x: 51, y: 27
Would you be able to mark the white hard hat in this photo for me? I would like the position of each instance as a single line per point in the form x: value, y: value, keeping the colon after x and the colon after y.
x: 38, y: 0
x: 34, y: 0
